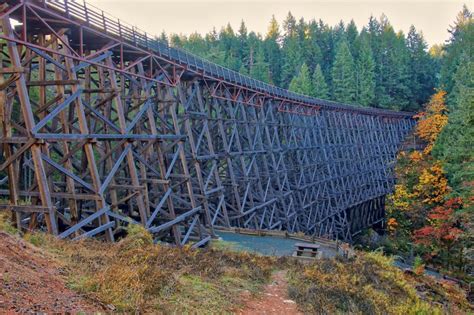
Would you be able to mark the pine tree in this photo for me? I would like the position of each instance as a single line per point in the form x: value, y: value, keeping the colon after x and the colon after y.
x: 312, y: 54
x: 292, y: 51
x: 365, y: 74
x: 320, y: 87
x: 243, y: 44
x: 289, y: 26
x: 324, y: 39
x: 176, y: 40
x: 196, y: 44
x: 351, y: 35
x: 260, y: 69
x: 273, y: 29
x: 302, y: 82
x: 272, y: 51
x: 343, y: 78
x: 163, y: 37
x: 463, y: 82
x: 243, y: 70
x: 460, y: 44
x: 422, y: 70
x: 229, y: 43
x: 339, y: 33
x: 454, y: 144
x: 392, y: 76
x: 292, y: 60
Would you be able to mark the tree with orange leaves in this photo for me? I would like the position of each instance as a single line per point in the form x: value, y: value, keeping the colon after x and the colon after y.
x: 433, y: 120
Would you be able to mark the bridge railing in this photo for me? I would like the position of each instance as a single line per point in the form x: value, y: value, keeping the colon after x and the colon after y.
x: 99, y: 19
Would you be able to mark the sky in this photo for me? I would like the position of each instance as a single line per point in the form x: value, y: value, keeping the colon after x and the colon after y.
x: 432, y: 18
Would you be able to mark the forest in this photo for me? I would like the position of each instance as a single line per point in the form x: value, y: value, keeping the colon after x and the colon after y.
x: 430, y: 214
x: 376, y: 66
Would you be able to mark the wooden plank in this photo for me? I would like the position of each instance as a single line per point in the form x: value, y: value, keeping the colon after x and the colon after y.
x: 178, y: 219
x: 25, y: 208
x: 84, y: 222
x: 10, y: 70
x: 52, y: 82
x: 95, y: 231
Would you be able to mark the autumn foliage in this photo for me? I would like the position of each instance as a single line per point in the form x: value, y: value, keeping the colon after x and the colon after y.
x: 442, y: 231
x: 432, y: 120
x: 432, y: 186
x: 421, y: 210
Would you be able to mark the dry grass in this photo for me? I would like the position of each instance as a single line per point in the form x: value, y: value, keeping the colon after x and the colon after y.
x: 370, y: 284
x: 136, y: 275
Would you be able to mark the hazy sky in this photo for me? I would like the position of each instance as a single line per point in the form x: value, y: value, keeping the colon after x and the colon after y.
x: 185, y: 16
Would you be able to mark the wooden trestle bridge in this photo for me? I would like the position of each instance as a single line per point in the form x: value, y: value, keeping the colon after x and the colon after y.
x: 103, y: 126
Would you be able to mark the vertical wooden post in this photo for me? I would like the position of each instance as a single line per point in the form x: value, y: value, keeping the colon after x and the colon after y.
x: 27, y: 112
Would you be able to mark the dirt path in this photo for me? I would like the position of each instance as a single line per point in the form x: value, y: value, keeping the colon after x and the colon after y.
x: 274, y: 299
x: 32, y: 282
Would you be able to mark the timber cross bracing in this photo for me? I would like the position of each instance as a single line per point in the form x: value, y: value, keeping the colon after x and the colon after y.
x: 103, y: 126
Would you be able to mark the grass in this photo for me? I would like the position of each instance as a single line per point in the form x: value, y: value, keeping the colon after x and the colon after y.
x: 134, y: 275
x: 5, y: 224
x: 370, y: 284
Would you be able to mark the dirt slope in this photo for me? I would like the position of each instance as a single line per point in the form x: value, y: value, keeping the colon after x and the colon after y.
x: 274, y: 299
x: 32, y: 282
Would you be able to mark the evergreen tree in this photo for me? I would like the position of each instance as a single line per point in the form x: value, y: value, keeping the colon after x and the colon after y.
x: 312, y: 54
x: 463, y: 83
x: 302, y: 82
x: 243, y: 44
x: 260, y: 69
x: 339, y: 33
x: 320, y: 87
x: 176, y: 40
x: 392, y: 69
x: 292, y: 54
x: 229, y: 43
x: 273, y: 29
x: 272, y: 51
x: 243, y: 70
x: 454, y: 145
x: 292, y: 60
x: 301, y: 29
x: 289, y: 26
x: 460, y: 44
x: 163, y: 37
x: 351, y: 36
x: 196, y: 44
x: 324, y: 38
x: 216, y: 55
x: 254, y: 42
x: 343, y: 75
x: 365, y: 74
x: 421, y: 69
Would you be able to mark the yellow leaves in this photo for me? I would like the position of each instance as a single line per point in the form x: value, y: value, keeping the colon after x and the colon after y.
x: 416, y: 156
x: 432, y: 184
x: 401, y: 198
x: 433, y: 120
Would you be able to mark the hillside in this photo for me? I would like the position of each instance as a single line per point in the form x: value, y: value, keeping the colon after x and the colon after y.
x: 26, y: 269
x: 136, y: 275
